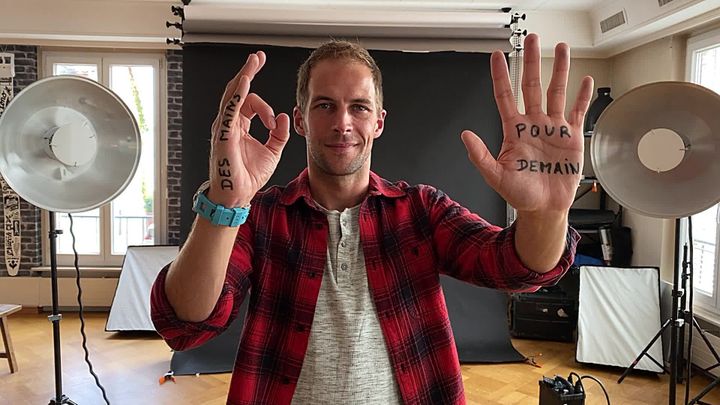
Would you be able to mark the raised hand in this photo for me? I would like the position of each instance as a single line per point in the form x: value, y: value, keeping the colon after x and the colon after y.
x: 240, y: 164
x: 541, y: 159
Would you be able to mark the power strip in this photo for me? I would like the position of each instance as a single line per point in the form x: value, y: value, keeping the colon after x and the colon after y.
x: 559, y: 391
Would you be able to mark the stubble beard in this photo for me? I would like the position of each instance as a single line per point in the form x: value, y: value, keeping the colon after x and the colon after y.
x: 325, y: 163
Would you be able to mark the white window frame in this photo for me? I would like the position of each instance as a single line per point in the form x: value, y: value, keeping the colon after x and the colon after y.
x: 104, y: 60
x: 709, y: 306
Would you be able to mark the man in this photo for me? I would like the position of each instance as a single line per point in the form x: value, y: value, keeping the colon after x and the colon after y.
x: 343, y: 266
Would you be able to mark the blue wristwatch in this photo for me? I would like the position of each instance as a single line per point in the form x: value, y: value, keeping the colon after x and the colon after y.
x: 218, y: 214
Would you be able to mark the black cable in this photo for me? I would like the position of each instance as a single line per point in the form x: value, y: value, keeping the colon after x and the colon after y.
x: 607, y: 397
x: 82, y: 320
x: 690, y: 318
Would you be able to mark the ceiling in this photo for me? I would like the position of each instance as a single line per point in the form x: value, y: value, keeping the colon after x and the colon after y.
x: 577, y: 22
x: 526, y: 5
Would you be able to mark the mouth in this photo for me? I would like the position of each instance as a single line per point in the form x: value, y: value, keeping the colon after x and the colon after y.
x: 339, y: 147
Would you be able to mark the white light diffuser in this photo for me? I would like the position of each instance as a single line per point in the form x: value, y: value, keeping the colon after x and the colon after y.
x: 68, y: 144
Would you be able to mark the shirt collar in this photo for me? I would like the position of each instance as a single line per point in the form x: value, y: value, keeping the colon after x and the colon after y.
x: 300, y: 188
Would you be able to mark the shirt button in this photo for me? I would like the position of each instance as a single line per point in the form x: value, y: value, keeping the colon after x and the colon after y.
x: 300, y: 328
x: 342, y: 244
x: 285, y: 380
x: 344, y: 266
x: 312, y: 274
x: 318, y: 226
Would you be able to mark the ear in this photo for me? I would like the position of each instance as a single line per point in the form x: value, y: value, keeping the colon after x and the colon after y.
x: 380, y: 123
x: 298, y: 121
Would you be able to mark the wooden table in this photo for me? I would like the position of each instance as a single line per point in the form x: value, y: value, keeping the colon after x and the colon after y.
x: 5, y: 311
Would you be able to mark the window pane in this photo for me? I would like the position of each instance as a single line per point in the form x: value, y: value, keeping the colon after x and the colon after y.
x: 704, y: 242
x: 132, y: 211
x: 78, y: 69
x: 705, y: 224
x: 86, y: 227
x: 709, y: 68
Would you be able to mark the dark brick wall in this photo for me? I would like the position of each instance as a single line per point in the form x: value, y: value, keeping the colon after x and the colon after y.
x: 174, y: 142
x: 26, y: 72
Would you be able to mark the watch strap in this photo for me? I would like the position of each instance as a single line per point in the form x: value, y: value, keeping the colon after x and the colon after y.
x: 218, y: 214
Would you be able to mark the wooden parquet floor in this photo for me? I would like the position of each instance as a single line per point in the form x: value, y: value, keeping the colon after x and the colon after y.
x: 129, y: 366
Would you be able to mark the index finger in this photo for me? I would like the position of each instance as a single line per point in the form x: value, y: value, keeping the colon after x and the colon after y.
x: 501, y: 87
x: 252, y: 66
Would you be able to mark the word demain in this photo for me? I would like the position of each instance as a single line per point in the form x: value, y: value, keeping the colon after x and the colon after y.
x: 548, y: 167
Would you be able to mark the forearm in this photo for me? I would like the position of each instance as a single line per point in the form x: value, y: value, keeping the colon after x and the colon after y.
x: 195, y: 279
x: 540, y: 238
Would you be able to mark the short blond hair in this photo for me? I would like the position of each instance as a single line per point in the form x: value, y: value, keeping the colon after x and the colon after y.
x: 337, y: 50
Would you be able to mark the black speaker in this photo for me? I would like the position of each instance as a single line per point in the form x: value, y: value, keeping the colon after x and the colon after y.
x: 544, y: 316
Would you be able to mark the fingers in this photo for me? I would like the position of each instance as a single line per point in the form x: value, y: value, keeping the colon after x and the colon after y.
x: 531, y: 85
x: 481, y: 157
x: 582, y: 102
x: 254, y: 105
x: 228, y: 115
x: 252, y: 66
x: 501, y: 87
x: 558, y: 84
x: 279, y: 135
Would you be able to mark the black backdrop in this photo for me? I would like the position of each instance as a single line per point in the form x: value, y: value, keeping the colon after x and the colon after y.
x: 430, y: 99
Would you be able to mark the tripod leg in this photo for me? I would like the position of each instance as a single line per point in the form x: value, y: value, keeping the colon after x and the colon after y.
x: 644, y: 352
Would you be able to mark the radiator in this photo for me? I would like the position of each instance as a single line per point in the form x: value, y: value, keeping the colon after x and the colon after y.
x: 701, y: 355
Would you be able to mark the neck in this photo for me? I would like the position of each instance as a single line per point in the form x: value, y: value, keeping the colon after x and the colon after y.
x: 339, y: 192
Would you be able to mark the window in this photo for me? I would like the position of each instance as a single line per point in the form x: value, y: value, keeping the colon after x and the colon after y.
x: 703, y: 67
x: 137, y: 215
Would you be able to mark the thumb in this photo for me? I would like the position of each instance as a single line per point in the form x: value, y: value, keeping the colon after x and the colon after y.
x: 480, y: 156
x: 279, y: 135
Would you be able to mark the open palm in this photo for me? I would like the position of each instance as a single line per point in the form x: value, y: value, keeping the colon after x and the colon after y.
x: 541, y: 158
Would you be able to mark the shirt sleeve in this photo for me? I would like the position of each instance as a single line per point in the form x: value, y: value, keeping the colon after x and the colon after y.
x: 473, y: 250
x: 183, y: 335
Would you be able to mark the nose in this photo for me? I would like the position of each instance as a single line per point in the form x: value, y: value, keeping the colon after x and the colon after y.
x: 342, y: 121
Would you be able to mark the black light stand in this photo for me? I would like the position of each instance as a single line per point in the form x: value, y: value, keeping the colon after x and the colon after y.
x: 55, y: 318
x: 679, y: 317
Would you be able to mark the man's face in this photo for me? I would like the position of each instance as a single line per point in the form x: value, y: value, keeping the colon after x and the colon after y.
x: 341, y: 120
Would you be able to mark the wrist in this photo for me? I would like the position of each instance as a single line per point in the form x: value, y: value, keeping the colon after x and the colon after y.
x: 219, y: 213
x: 542, y: 218
x: 548, y: 214
x: 227, y: 199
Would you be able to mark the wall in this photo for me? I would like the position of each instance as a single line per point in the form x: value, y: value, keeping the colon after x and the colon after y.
x: 661, y: 60
x: 25, y: 74
x: 106, y: 23
x: 174, y: 143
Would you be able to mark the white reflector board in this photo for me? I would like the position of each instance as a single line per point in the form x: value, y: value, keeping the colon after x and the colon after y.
x: 130, y: 308
x: 619, y: 315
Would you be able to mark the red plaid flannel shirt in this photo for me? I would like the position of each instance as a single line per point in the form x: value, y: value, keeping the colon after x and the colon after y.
x: 409, y: 235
